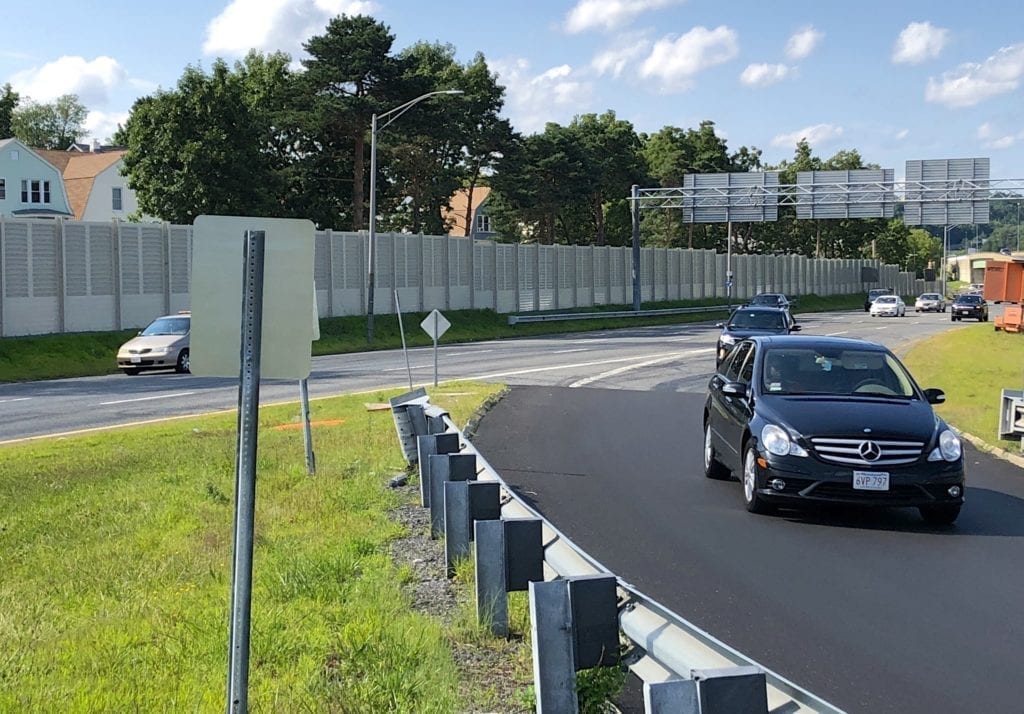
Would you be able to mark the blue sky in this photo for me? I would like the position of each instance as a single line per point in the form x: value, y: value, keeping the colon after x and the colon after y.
x: 896, y: 80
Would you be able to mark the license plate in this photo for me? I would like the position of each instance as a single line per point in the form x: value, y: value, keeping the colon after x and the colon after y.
x: 870, y: 481
x: 136, y: 359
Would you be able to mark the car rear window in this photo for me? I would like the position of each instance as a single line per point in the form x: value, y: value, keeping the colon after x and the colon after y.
x: 756, y: 319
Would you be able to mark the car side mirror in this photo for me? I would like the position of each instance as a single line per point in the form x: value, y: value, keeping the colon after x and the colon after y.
x: 719, y: 324
x: 734, y: 389
x: 795, y: 328
x: 935, y: 396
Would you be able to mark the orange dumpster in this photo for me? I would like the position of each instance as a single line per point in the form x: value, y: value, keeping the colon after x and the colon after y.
x: 1012, y: 318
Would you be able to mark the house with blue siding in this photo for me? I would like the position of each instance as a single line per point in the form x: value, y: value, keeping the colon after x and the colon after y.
x: 30, y: 186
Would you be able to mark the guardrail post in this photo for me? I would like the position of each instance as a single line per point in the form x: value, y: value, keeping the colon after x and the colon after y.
x: 491, y: 589
x: 464, y: 503
x: 407, y: 423
x: 418, y: 419
x: 426, y: 446
x: 444, y: 468
x: 554, y: 671
x: 593, y: 600
x: 436, y: 424
x: 524, y: 553
x: 678, y: 696
x: 732, y: 689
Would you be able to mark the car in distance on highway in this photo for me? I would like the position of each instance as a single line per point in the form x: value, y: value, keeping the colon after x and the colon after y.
x: 162, y: 344
x: 772, y: 300
x: 874, y: 293
x: 891, y: 305
x: 930, y: 302
x: 749, y: 321
x: 970, y: 305
x: 806, y: 419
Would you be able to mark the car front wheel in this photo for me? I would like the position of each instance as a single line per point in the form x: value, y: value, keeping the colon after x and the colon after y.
x: 940, y: 515
x: 713, y: 468
x: 183, y: 366
x: 754, y: 502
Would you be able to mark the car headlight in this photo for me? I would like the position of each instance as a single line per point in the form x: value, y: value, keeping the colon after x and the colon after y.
x: 727, y: 340
x: 777, y: 441
x: 949, y: 447
x: 161, y: 350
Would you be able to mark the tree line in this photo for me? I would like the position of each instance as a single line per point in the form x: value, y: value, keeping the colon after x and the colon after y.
x: 263, y: 137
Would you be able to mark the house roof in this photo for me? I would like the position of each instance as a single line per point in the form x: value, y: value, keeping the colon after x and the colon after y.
x: 458, y: 205
x: 80, y: 170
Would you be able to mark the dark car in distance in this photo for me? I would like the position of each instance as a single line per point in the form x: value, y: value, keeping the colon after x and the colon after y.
x: 970, y: 305
x: 875, y: 293
x: 772, y: 300
x: 805, y: 419
x: 749, y: 321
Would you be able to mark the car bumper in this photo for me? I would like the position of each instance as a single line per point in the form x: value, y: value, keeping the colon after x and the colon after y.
x: 931, y: 307
x: 973, y: 314
x: 921, y: 484
x: 886, y: 313
x: 148, y: 361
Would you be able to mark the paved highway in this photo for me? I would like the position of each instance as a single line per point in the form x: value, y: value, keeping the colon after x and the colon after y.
x: 676, y: 358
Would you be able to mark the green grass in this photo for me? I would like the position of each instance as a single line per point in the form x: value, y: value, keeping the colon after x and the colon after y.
x: 972, y: 365
x: 115, y: 571
x: 92, y: 353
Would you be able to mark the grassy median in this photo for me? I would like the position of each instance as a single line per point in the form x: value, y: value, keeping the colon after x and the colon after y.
x: 972, y: 365
x: 85, y: 354
x: 115, y: 568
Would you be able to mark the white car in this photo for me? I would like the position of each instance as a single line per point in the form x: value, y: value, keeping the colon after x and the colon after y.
x: 892, y: 305
x: 930, y: 302
x: 163, y: 344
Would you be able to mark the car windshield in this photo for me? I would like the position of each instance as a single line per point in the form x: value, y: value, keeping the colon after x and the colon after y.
x: 835, y: 371
x: 167, y: 326
x: 766, y: 300
x: 757, y: 320
x: 877, y: 292
x: 929, y: 296
x: 969, y: 299
x: 885, y: 300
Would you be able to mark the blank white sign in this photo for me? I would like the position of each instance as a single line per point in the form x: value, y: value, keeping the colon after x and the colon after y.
x: 218, y: 263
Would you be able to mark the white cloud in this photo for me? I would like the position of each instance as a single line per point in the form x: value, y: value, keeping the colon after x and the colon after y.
x: 676, y: 61
x: 802, y: 42
x: 102, y: 125
x: 614, y: 60
x: 764, y: 75
x: 272, y: 25
x: 972, y: 83
x: 609, y: 15
x: 902, y: 134
x: 92, y: 80
x: 532, y: 100
x: 919, y: 41
x: 991, y: 140
x: 815, y: 135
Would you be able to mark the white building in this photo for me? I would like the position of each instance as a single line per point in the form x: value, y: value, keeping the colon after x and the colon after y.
x: 31, y: 186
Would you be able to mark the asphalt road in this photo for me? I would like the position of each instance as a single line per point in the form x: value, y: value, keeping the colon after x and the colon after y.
x: 872, y: 610
x: 676, y: 358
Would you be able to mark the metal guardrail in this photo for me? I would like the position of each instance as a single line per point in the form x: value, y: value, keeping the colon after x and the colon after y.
x: 673, y: 646
x: 556, y: 317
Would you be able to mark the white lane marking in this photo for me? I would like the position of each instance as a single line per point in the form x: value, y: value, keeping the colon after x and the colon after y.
x: 468, y: 352
x: 649, y: 363
x: 15, y: 399
x: 883, y: 327
x: 833, y: 334
x: 534, y: 370
x: 402, y: 369
x: 146, y: 399
x: 564, y: 352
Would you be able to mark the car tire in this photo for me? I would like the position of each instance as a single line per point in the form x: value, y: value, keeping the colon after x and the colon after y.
x: 754, y: 502
x: 713, y: 468
x: 183, y: 365
x: 940, y: 515
x: 131, y: 372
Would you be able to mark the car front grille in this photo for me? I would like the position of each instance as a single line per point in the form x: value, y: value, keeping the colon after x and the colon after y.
x: 844, y: 491
x: 143, y: 351
x: 848, y: 452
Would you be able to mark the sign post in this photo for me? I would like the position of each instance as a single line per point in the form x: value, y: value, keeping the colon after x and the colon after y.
x: 435, y: 325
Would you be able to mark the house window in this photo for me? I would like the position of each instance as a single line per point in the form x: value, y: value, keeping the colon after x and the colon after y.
x: 115, y: 195
x: 3, y: 189
x: 483, y: 223
x: 35, y: 191
x: 14, y: 154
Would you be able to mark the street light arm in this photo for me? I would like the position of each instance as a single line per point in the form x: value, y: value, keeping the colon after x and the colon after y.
x: 393, y: 114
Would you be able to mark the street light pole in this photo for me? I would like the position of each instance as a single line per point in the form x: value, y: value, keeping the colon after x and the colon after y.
x: 390, y: 116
